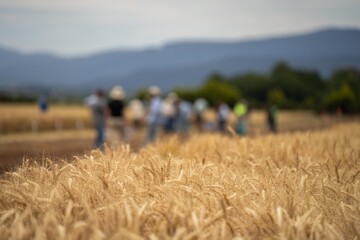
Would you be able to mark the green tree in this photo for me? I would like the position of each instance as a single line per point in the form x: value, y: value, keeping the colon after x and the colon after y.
x: 216, y: 90
x: 288, y: 80
x: 252, y: 86
x: 344, y: 98
x: 302, y: 87
x: 276, y: 96
x: 142, y: 94
x: 309, y: 103
x: 188, y: 94
x: 348, y: 77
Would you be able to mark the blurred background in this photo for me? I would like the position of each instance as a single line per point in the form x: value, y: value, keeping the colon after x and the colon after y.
x: 303, y: 57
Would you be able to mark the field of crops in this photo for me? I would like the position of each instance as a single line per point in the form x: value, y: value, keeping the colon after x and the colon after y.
x: 16, y: 118
x: 65, y: 130
x: 287, y: 186
x: 22, y: 118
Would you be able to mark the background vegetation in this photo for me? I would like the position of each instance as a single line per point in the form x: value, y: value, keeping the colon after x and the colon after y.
x: 288, y: 88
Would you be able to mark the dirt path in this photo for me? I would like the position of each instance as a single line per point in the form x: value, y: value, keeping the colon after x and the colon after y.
x: 12, y: 154
x: 66, y: 144
x: 54, y: 145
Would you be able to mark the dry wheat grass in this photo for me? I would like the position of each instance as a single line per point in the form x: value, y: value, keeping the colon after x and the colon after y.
x: 289, y: 186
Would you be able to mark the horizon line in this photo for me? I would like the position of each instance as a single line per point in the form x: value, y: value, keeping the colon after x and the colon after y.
x: 178, y: 41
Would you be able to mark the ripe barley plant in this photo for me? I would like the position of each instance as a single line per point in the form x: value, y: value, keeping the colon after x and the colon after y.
x: 286, y: 186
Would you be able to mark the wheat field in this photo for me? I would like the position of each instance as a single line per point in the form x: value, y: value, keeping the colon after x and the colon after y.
x: 26, y: 118
x: 19, y: 118
x: 287, y: 186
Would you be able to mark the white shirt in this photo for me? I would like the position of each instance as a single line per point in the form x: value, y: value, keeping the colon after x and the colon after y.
x: 154, y: 114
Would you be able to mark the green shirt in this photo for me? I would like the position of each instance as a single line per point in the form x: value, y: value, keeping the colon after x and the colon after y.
x: 240, y: 109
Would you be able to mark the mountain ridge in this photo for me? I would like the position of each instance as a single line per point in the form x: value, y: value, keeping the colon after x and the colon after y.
x: 184, y: 63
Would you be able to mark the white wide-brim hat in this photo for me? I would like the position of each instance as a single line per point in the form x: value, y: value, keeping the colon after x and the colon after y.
x: 117, y: 93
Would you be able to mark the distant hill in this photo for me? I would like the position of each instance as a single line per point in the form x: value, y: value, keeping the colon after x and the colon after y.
x: 182, y: 63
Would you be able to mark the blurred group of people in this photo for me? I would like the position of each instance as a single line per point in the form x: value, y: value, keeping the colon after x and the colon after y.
x: 170, y: 114
x: 108, y: 115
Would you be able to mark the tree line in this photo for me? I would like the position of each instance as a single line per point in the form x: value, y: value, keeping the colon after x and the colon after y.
x: 284, y: 86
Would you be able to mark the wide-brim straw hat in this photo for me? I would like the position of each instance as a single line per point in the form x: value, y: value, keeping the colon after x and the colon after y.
x: 154, y: 90
x: 117, y: 93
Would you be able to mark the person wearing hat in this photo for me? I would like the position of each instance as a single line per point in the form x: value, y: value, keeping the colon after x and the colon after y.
x: 169, y: 112
x: 97, y: 104
x: 154, y: 116
x: 116, y: 117
x: 200, y: 106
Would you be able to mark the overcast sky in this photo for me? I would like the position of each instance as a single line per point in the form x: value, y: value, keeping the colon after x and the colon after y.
x: 71, y: 27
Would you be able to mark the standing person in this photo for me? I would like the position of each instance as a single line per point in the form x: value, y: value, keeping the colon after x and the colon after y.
x: 137, y: 113
x: 137, y: 116
x: 241, y: 111
x: 169, y: 112
x: 184, y: 116
x: 116, y: 120
x: 271, y: 117
x: 222, y: 115
x: 153, y: 117
x: 97, y: 103
x: 43, y: 104
x: 200, y: 105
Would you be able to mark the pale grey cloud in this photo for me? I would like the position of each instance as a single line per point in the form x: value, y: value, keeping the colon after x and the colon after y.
x: 82, y: 26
